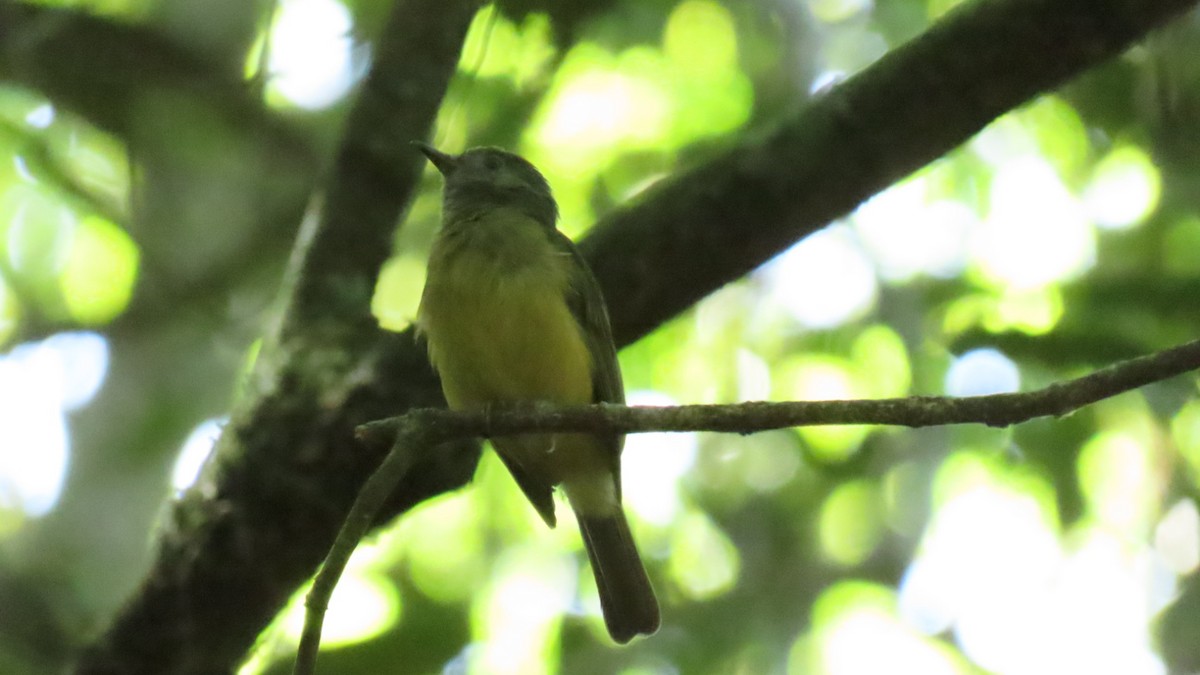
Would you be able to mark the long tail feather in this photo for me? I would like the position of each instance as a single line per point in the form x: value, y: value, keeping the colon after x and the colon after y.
x: 626, y: 596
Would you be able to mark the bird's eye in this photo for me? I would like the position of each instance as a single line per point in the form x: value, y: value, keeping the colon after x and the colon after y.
x: 491, y: 163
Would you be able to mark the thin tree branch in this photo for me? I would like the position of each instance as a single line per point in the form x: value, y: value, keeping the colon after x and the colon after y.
x: 994, y: 410
x: 370, y: 500
x: 423, y: 428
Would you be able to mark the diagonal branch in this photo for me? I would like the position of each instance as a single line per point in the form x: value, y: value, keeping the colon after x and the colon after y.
x: 707, y: 226
x: 254, y: 527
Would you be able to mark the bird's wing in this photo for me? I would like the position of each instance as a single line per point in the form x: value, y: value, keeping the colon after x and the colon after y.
x: 587, y: 305
x: 538, y: 491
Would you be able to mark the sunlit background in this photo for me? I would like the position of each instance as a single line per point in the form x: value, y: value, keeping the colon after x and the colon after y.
x: 1061, y: 238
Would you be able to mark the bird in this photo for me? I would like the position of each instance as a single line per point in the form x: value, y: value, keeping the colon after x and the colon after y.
x: 513, y: 316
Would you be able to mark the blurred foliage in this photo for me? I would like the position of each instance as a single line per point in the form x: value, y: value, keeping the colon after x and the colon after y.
x: 1061, y: 238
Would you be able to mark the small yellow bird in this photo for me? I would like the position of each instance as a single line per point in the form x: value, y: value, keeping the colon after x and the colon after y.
x: 513, y: 316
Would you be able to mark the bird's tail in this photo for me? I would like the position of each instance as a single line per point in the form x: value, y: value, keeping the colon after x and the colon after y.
x: 626, y: 596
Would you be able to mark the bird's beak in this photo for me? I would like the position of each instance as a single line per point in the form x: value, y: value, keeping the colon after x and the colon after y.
x: 445, y: 163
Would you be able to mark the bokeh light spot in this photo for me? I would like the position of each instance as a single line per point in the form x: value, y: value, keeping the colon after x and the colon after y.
x: 851, y: 615
x: 700, y: 38
x: 1032, y: 311
x: 908, y: 234
x: 195, y: 453
x: 444, y: 547
x: 882, y: 362
x: 1115, y: 474
x: 822, y: 378
x: 398, y: 292
x: 833, y: 11
x: 850, y: 522
x: 495, y: 47
x: 41, y: 117
x: 101, y: 267
x: 1035, y: 233
x: 1185, y: 432
x: 40, y: 383
x: 596, y: 107
x: 704, y: 563
x: 652, y: 465
x: 1059, y: 131
x: 980, y: 372
x: 988, y: 552
x: 312, y: 60
x: 364, y: 605
x: 824, y: 280
x: 1124, y: 189
x: 519, y: 619
x: 1177, y: 537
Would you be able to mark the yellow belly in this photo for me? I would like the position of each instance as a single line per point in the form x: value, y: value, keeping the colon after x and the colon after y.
x: 500, y: 333
x: 512, y: 343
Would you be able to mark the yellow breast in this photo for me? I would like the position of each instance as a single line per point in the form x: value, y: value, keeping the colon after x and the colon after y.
x: 495, y: 315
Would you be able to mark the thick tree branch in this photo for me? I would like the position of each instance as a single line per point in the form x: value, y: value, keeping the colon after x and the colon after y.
x: 254, y: 528
x: 702, y: 228
x: 259, y: 525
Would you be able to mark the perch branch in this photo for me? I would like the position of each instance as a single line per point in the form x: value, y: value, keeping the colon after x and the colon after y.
x: 427, y: 427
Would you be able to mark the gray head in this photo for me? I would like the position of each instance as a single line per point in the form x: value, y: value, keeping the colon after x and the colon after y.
x: 482, y: 179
